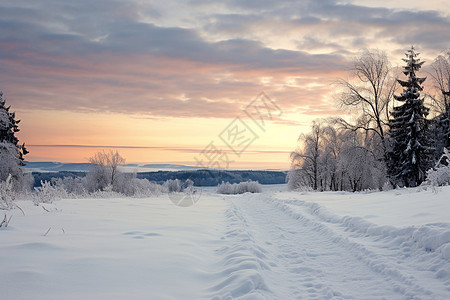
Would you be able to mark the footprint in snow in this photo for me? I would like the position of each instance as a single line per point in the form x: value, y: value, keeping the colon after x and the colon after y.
x: 141, y: 235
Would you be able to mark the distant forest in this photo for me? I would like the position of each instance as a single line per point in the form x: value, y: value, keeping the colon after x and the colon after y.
x: 199, y: 177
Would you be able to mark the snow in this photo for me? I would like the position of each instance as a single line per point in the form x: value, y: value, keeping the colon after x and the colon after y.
x: 4, y: 119
x: 399, y: 208
x: 273, y: 245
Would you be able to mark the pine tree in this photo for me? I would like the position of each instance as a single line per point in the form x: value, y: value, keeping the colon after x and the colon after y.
x: 11, y: 153
x: 409, y: 158
x: 9, y: 127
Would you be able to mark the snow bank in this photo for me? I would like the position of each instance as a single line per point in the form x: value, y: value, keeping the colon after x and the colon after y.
x: 384, y: 208
x: 366, y: 223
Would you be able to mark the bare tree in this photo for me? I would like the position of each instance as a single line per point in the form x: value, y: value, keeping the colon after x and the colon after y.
x: 371, y: 93
x: 357, y: 164
x: 440, y: 102
x: 105, y: 168
x: 441, y: 79
x: 334, y: 138
x: 331, y: 157
x: 306, y: 160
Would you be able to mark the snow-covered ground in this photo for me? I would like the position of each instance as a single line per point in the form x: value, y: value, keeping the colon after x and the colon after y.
x: 274, y: 245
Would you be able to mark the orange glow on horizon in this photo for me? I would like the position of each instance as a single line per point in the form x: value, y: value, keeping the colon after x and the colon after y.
x: 164, y: 140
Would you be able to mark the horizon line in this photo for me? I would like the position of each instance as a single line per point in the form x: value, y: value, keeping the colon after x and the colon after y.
x: 182, y: 149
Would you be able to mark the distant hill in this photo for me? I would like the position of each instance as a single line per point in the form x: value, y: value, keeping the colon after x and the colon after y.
x: 43, y: 167
x: 49, y: 166
x: 169, y: 166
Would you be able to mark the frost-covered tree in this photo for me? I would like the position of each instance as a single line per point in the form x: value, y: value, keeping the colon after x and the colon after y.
x: 9, y: 127
x: 409, y: 158
x: 334, y: 158
x: 104, y: 170
x: 11, y: 152
x: 333, y: 139
x: 306, y: 160
x: 370, y: 91
x: 357, y: 166
x: 441, y: 102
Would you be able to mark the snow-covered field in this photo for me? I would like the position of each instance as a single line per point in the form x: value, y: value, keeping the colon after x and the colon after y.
x: 274, y: 245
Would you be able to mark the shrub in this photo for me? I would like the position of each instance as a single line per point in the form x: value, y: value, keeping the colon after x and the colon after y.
x: 440, y: 175
x: 48, y: 192
x: 239, y: 188
x: 128, y: 185
x: 7, y: 194
x: 74, y: 186
x: 173, y: 185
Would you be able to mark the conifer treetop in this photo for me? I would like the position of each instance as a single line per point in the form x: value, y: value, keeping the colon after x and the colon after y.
x: 413, y: 84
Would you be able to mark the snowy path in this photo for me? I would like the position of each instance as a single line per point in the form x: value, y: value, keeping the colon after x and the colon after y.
x: 301, y: 256
x: 273, y: 245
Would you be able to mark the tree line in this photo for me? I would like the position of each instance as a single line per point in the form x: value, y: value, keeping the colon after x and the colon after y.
x: 393, y: 141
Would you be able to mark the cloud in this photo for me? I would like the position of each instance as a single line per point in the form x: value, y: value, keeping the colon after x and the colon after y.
x: 337, y: 23
x: 141, y: 68
x: 122, y: 57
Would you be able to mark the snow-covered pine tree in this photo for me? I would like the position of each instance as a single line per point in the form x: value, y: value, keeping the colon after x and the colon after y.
x: 9, y: 127
x: 11, y: 153
x: 409, y: 158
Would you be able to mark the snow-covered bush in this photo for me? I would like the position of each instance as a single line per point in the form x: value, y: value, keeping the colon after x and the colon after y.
x: 128, y: 185
x: 252, y: 187
x: 7, y: 194
x: 188, y: 184
x: 97, y: 179
x: 107, y: 192
x: 225, y: 188
x: 173, y: 185
x: 144, y: 188
x: 48, y: 192
x: 7, y: 197
x: 440, y: 175
x: 10, y: 165
x: 239, y: 188
x: 177, y: 185
x: 296, y: 181
x: 125, y: 184
x: 387, y: 186
x: 74, y: 186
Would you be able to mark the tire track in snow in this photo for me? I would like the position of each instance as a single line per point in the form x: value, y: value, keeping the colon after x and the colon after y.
x: 241, y: 263
x: 391, y: 256
x: 306, y: 260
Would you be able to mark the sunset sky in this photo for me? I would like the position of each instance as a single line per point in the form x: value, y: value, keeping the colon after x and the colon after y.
x: 162, y: 81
